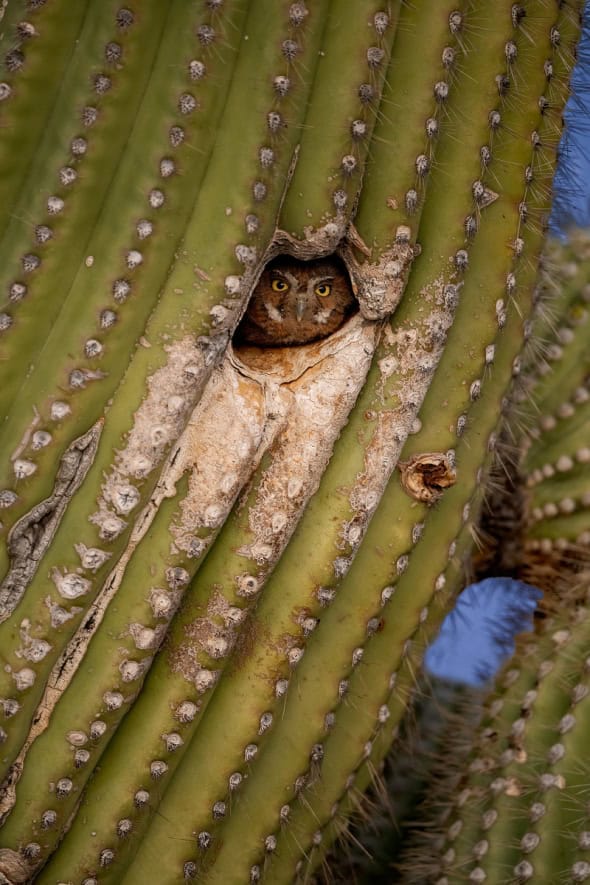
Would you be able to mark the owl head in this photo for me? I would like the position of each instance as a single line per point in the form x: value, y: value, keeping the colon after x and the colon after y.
x: 297, y: 302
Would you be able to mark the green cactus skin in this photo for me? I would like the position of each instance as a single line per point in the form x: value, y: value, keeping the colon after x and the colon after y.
x: 230, y: 769
x: 334, y: 661
x: 490, y: 816
x: 556, y: 456
x: 339, y: 122
x: 158, y: 738
x: 234, y: 816
x: 64, y: 257
x: 81, y: 171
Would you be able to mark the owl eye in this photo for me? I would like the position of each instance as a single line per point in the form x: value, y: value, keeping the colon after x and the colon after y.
x: 279, y: 286
x: 323, y: 289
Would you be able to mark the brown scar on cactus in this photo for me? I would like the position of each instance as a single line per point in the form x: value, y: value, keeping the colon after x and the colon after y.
x: 425, y: 477
x: 31, y: 536
x: 13, y: 869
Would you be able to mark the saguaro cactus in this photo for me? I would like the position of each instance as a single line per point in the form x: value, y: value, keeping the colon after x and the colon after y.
x: 520, y: 813
x: 221, y: 563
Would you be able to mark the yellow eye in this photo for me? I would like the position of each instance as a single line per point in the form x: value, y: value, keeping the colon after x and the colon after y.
x: 279, y: 285
x: 322, y: 290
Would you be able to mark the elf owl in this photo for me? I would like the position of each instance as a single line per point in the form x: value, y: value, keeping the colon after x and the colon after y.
x: 296, y: 302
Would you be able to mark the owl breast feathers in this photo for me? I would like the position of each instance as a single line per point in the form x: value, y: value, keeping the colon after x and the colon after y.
x: 297, y: 302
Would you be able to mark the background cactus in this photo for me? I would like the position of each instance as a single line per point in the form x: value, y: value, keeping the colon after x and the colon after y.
x: 519, y: 812
x: 217, y: 586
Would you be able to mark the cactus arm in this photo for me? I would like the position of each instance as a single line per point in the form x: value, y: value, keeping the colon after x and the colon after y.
x: 555, y: 450
x: 557, y: 367
x: 565, y: 812
x: 515, y: 693
x: 504, y: 849
x: 515, y: 808
x: 569, y: 424
x: 569, y: 365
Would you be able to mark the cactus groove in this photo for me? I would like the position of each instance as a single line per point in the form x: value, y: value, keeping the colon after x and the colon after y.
x: 221, y: 564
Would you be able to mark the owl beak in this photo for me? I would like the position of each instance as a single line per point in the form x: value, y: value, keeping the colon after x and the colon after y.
x: 300, y: 306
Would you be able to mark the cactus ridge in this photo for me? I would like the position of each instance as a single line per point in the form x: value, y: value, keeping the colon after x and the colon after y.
x: 311, y: 52
x: 114, y: 275
x: 27, y: 93
x: 425, y: 56
x: 32, y: 534
x: 45, y: 255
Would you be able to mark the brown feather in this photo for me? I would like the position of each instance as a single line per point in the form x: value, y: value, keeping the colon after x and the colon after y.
x: 272, y: 318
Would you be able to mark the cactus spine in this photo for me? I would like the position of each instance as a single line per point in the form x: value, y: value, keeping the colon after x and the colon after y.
x: 234, y: 567
x: 509, y: 807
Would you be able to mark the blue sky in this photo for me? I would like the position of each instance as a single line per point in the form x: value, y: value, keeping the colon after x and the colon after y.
x: 479, y: 634
x: 571, y: 201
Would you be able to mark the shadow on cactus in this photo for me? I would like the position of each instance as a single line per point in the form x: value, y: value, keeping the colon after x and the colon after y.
x: 221, y: 564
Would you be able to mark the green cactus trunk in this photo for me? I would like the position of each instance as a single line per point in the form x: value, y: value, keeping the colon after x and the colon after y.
x: 221, y: 564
